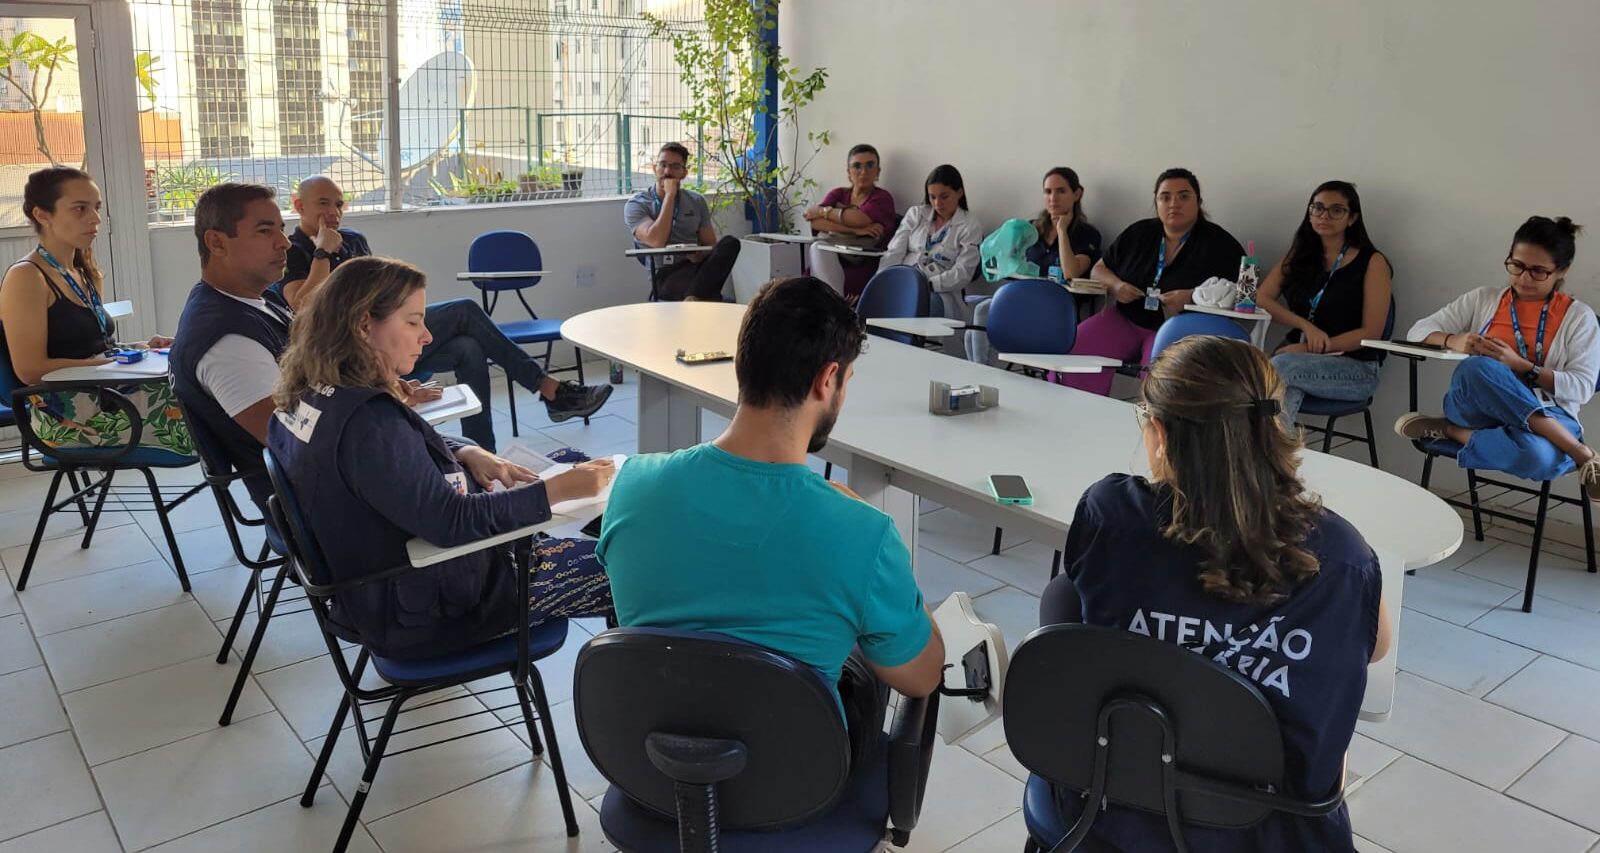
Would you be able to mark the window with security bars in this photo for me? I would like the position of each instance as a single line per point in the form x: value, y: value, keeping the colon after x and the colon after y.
x: 500, y: 100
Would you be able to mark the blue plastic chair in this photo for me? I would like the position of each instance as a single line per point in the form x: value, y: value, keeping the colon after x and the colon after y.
x: 1435, y: 448
x: 514, y: 251
x: 1194, y: 323
x: 1034, y: 317
x: 220, y: 475
x: 1333, y: 410
x: 711, y: 743
x: 409, y: 679
x: 895, y: 292
x: 79, y: 467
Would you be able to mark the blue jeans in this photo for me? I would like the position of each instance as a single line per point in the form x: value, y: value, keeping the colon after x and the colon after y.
x: 977, y: 339
x: 1487, y: 398
x: 1334, y: 377
x: 465, y: 340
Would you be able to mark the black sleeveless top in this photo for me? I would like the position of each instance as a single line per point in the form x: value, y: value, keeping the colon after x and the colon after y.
x: 71, y: 330
x: 1341, y: 306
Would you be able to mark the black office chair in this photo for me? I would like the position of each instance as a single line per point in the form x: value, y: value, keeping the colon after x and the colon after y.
x: 1114, y: 717
x: 412, y: 678
x: 714, y: 744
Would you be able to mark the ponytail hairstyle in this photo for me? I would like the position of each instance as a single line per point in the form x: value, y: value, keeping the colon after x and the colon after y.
x: 1557, y: 236
x: 326, y: 346
x: 1230, y: 469
x: 43, y: 190
x: 1041, y: 223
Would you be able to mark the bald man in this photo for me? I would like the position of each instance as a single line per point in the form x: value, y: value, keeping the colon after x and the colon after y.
x: 465, y: 340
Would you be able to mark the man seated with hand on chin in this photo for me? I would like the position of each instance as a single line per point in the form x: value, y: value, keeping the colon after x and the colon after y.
x: 767, y: 551
x: 667, y: 214
x: 465, y: 339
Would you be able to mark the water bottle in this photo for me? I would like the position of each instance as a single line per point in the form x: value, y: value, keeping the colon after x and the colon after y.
x: 616, y: 373
x: 1249, y: 280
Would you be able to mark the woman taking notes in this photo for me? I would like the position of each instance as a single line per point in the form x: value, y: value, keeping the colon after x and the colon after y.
x: 1534, y: 355
x: 1333, y: 297
x: 1223, y: 552
x: 861, y: 214
x: 371, y: 475
x: 52, y: 309
x: 940, y: 238
x: 1150, y: 271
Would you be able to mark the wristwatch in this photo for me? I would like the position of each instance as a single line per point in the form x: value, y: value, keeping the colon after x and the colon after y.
x: 321, y: 254
x: 1532, y: 376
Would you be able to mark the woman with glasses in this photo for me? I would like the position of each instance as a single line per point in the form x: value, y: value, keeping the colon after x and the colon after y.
x: 1066, y: 240
x: 1533, y: 356
x: 860, y: 214
x: 1333, y: 297
x: 940, y: 238
x: 53, y: 316
x: 1222, y: 551
x: 1150, y: 272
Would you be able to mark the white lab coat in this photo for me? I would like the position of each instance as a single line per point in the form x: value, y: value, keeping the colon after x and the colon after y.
x: 949, y: 264
x: 1574, y: 354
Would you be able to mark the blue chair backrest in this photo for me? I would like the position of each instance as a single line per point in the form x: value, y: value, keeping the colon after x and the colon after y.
x: 1033, y: 316
x: 504, y: 251
x: 304, y: 551
x: 8, y: 383
x: 1195, y: 323
x: 899, y: 292
x: 630, y: 682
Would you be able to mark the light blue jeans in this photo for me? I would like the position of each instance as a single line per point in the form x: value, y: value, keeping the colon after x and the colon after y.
x: 1334, y: 377
x: 978, y: 339
x: 1487, y: 398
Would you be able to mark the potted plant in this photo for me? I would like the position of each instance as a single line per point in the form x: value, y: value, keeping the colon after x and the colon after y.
x: 725, y: 67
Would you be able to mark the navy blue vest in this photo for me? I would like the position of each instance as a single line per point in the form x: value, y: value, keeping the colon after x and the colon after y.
x: 431, y: 611
x: 208, y: 316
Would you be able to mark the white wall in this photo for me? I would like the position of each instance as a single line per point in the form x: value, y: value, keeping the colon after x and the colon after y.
x: 570, y: 234
x: 1457, y: 119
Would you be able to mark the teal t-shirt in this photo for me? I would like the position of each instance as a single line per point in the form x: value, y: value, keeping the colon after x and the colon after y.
x: 703, y: 540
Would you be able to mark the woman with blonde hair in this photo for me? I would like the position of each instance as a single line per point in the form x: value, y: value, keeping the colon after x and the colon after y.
x: 371, y: 474
x: 1223, y: 552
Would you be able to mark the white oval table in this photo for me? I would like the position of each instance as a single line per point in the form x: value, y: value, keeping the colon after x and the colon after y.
x: 1063, y: 440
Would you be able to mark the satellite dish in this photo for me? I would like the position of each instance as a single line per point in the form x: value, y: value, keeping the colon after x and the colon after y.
x: 431, y: 100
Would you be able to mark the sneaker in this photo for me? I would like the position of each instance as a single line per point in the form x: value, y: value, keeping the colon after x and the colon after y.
x: 1419, y: 427
x: 1589, y: 477
x: 576, y: 401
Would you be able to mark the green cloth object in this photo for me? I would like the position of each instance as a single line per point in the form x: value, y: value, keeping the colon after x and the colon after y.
x: 1005, y: 252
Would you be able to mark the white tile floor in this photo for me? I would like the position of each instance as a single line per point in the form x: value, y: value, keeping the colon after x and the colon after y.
x: 109, y: 694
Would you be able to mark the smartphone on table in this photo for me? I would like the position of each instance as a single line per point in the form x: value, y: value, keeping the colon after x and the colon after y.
x: 1010, y: 489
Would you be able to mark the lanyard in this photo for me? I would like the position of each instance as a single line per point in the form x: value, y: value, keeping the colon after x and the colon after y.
x: 90, y: 299
x: 1317, y: 300
x: 1538, y: 341
x: 1161, y: 256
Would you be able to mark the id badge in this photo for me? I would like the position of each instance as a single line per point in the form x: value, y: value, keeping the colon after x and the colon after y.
x: 457, y: 481
x: 1152, y: 299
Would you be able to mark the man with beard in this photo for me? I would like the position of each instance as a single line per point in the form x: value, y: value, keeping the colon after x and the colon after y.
x: 740, y: 537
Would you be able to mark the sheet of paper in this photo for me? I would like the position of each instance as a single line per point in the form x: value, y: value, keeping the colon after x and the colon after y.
x: 452, y: 396
x: 535, y: 462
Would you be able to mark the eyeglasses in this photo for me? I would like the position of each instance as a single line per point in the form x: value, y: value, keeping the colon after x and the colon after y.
x: 1141, y: 414
x: 1517, y: 268
x: 1336, y: 211
x: 665, y: 166
x: 1178, y: 198
x: 864, y: 166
